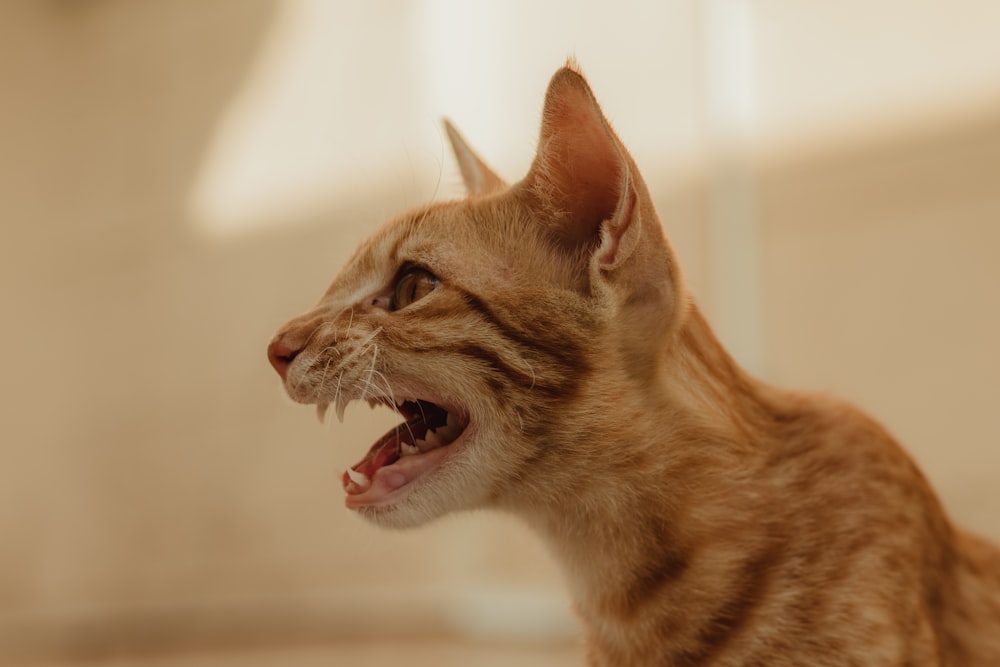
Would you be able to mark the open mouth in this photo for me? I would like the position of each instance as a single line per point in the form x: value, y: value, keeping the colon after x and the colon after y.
x: 405, y: 453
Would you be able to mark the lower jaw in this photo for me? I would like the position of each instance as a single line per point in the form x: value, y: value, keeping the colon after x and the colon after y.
x: 393, y: 483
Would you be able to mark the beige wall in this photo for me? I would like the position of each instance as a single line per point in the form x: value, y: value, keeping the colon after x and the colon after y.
x: 882, y: 285
x: 158, y: 490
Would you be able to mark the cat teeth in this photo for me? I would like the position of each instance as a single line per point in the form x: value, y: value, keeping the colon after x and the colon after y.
x: 429, y: 442
x: 340, y: 408
x: 432, y: 439
x: 359, y: 478
x: 321, y: 409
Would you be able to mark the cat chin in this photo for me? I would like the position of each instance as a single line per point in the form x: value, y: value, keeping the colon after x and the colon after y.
x: 398, y: 516
x: 393, y: 484
x: 456, y: 485
x: 415, y: 507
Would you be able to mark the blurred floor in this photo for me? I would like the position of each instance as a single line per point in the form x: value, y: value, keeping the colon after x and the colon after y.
x: 436, y: 653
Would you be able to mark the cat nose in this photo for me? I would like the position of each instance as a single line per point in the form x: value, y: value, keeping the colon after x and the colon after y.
x: 281, y: 354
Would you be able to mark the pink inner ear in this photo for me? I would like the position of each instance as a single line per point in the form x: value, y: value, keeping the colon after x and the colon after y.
x: 578, y: 167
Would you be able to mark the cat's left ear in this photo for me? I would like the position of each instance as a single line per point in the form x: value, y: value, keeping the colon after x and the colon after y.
x: 478, y: 177
x: 582, y: 175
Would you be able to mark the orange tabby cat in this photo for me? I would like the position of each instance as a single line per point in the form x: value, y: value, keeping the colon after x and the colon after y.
x: 541, y: 346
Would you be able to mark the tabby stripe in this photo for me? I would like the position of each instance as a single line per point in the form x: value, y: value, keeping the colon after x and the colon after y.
x: 733, y: 615
x: 564, y: 351
x: 667, y: 567
x: 526, y: 381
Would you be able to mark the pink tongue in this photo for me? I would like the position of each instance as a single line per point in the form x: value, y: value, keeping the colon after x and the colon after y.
x: 361, y: 482
x: 386, y: 450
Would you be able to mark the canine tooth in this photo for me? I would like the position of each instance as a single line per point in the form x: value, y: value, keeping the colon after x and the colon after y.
x: 430, y: 441
x: 359, y: 478
x: 321, y: 411
x: 406, y: 448
x: 341, y: 407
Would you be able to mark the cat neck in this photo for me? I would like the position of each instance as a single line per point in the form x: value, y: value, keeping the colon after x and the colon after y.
x: 675, y: 495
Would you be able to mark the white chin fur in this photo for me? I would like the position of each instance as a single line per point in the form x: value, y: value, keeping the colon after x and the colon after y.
x: 456, y: 486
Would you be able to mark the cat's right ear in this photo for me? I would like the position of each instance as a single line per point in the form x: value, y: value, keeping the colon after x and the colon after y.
x: 582, y: 176
x: 479, y: 178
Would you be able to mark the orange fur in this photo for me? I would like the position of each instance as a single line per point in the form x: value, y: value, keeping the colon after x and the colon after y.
x: 703, y: 517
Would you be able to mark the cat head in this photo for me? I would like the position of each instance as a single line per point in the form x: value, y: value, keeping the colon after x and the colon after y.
x: 502, y: 327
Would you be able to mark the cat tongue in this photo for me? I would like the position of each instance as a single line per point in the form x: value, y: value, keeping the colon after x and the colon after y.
x: 390, y: 463
x: 386, y: 450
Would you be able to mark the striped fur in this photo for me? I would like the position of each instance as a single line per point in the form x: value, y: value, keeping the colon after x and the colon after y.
x: 702, y: 517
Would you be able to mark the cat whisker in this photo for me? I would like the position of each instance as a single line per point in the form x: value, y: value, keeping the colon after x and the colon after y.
x: 320, y: 327
x: 422, y: 414
x: 350, y: 323
x: 336, y: 398
x: 371, y: 369
x: 341, y: 406
x: 312, y: 334
x: 361, y: 349
x: 385, y: 391
x: 326, y: 369
x: 366, y: 386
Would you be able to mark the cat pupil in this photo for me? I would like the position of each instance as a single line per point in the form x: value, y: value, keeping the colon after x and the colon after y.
x: 412, y: 286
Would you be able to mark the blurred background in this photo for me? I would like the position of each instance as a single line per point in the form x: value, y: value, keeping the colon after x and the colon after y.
x: 178, y: 178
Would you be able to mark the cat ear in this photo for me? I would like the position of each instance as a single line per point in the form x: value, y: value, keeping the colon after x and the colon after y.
x: 582, y: 175
x: 479, y: 178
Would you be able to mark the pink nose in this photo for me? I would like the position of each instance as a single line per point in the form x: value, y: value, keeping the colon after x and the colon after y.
x: 281, y: 354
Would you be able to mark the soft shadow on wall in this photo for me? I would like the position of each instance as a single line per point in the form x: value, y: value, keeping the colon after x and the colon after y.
x: 162, y: 493
x: 137, y: 496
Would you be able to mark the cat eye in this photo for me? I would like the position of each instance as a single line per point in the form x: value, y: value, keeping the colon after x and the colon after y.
x: 413, y: 285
